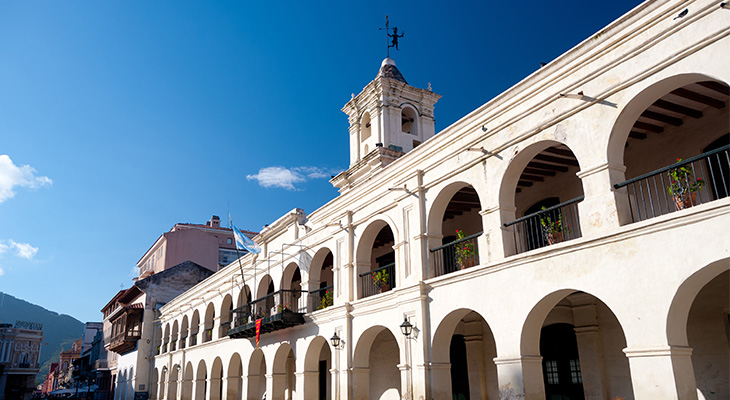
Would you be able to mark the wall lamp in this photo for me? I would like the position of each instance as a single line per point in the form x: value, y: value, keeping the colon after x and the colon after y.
x: 335, y: 340
x: 406, y: 328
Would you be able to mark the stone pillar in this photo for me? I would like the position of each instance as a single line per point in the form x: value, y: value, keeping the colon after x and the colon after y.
x: 475, y: 362
x: 406, y: 391
x: 662, y: 373
x: 497, y: 241
x: 603, y: 207
x: 199, y: 389
x: 275, y: 386
x: 520, y: 378
x: 360, y: 383
x: 441, y: 375
x: 334, y: 388
x: 590, y: 354
x: 307, y: 386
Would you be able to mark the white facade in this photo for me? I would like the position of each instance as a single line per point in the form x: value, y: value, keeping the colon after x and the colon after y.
x: 610, y: 304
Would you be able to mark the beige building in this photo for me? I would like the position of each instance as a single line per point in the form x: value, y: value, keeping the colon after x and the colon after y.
x: 20, y: 348
x: 548, y: 245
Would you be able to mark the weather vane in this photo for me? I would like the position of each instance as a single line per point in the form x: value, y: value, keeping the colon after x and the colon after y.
x: 392, y: 38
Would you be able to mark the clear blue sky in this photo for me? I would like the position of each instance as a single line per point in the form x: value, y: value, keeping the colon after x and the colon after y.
x: 120, y: 118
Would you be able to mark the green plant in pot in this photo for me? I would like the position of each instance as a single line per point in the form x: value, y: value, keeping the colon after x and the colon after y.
x: 381, y: 280
x: 553, y: 228
x: 683, y: 186
x: 325, y: 301
x: 466, y: 252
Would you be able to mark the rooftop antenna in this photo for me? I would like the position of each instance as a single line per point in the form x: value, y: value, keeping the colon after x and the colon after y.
x: 391, y: 39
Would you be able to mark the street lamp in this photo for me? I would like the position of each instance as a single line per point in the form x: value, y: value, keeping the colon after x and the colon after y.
x: 406, y: 327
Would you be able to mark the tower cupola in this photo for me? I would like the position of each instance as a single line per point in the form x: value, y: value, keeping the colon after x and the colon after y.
x: 389, y: 116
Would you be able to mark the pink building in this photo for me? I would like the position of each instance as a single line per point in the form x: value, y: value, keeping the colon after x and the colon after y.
x: 209, y: 245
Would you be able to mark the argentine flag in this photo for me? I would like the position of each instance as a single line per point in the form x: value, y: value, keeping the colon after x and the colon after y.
x: 243, y: 242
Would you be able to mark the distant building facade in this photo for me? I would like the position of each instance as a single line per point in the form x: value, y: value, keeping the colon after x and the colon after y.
x: 209, y: 245
x: 20, y: 347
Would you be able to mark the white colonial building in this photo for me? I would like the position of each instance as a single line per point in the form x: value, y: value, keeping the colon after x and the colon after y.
x: 548, y: 245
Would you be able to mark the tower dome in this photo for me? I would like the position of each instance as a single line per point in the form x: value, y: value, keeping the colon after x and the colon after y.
x: 389, y: 70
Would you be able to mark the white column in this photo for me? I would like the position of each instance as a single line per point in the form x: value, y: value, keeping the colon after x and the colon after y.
x: 662, y: 373
x: 520, y: 377
x: 497, y: 241
x: 603, y: 207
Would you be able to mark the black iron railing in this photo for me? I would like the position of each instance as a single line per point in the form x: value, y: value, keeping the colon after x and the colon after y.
x: 182, y: 343
x: 379, y: 280
x: 689, y: 182
x: 321, y: 298
x: 457, y: 255
x: 271, y: 304
x: 194, y: 339
x: 552, y: 225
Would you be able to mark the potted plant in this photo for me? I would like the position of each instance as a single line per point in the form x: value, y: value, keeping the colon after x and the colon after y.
x: 465, y: 251
x: 683, y: 186
x: 553, y: 228
x: 325, y: 301
x: 381, y: 280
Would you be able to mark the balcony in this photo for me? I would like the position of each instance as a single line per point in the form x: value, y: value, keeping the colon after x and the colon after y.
x: 125, y: 341
x: 546, y: 227
x: 697, y: 180
x: 457, y: 255
x: 101, y: 365
x: 278, y: 310
x: 379, y: 280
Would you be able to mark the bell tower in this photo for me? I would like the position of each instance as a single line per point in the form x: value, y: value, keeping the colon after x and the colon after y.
x: 389, y: 117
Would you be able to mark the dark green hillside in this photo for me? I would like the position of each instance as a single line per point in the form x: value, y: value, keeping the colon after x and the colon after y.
x: 58, y: 330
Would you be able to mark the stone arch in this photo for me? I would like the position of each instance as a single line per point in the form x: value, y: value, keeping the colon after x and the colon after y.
x: 184, y: 332
x: 377, y: 346
x: 463, y: 341
x: 209, y: 322
x: 409, y: 120
x: 265, y: 290
x: 317, y: 363
x: 546, y: 169
x: 216, y: 380
x: 234, y: 377
x: 256, y: 381
x: 244, y: 296
x: 172, y: 383
x: 158, y: 340
x: 283, y: 371
x: 685, y: 296
x: 174, y: 336
x: 166, y: 338
x: 154, y: 384
x: 638, y: 104
x: 162, y: 384
x: 187, y: 382
x: 597, y: 367
x: 291, y: 286
x: 321, y: 279
x: 670, y: 120
x: 226, y: 315
x: 194, y: 328
x: 454, y: 213
x: 374, y: 252
x: 201, y: 381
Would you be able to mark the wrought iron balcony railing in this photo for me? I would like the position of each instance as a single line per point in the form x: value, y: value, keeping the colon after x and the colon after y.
x: 379, y: 280
x: 689, y: 182
x: 552, y: 225
x: 457, y: 255
x: 278, y: 310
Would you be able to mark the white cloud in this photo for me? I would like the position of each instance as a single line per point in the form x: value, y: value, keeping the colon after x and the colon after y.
x: 287, y: 178
x: 23, y: 250
x: 2, y: 271
x: 12, y: 175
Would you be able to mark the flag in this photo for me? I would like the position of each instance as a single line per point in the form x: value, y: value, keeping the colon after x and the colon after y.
x: 243, y: 242
x: 258, y: 331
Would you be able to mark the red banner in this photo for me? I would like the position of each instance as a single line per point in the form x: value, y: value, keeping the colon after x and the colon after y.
x: 258, y: 331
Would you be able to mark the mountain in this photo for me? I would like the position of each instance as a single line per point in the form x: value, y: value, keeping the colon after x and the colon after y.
x: 59, y: 330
